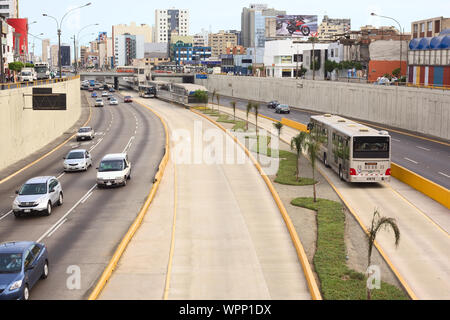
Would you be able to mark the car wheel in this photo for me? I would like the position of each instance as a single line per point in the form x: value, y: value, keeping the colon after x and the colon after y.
x: 49, y: 209
x: 325, y: 161
x: 17, y: 214
x: 124, y: 181
x: 341, y: 175
x: 45, y: 271
x: 26, y: 293
x: 129, y: 176
x: 61, y: 199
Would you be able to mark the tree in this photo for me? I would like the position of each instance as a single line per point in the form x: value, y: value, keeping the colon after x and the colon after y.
x: 201, y: 96
x: 29, y: 65
x: 233, y: 105
x: 256, y: 108
x: 213, y: 96
x: 297, y: 145
x: 15, y: 66
x: 312, y: 145
x: 279, y: 126
x: 396, y: 73
x: 250, y: 69
x: 379, y: 223
x: 249, y: 109
x: 218, y: 102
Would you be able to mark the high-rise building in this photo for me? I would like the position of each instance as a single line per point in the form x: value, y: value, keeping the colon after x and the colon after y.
x: 329, y: 29
x: 54, y: 56
x: 253, y: 24
x: 128, y: 47
x: 133, y: 29
x: 45, y: 49
x: 65, y: 55
x: 83, y: 55
x: 168, y: 21
x: 9, y: 9
x: 219, y: 42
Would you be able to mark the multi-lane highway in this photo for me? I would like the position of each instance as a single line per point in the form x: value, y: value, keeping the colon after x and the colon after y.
x: 428, y: 158
x: 82, y: 234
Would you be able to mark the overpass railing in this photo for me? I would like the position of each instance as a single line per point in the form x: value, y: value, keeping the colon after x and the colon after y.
x: 18, y: 85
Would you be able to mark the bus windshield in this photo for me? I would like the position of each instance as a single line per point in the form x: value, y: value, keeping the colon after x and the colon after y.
x: 41, y: 69
x: 371, y: 148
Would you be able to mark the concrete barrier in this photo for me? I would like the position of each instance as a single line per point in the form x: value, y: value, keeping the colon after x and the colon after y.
x: 414, y: 109
x: 24, y: 131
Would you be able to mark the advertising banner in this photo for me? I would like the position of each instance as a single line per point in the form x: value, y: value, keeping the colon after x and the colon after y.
x: 303, y: 26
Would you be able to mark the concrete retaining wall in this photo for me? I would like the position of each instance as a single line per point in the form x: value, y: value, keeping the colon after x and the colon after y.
x: 24, y: 131
x: 425, y: 111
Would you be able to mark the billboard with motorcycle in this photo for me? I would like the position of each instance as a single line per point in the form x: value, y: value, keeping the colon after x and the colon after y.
x: 297, y: 26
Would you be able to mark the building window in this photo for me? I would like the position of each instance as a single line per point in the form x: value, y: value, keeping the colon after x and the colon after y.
x: 430, y: 26
x: 437, y: 26
x: 422, y: 27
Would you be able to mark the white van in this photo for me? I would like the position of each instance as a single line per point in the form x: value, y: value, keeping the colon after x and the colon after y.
x: 114, y: 170
x: 27, y: 74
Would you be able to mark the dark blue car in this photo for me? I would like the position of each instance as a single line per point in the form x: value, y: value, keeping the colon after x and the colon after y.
x: 94, y: 95
x: 22, y: 264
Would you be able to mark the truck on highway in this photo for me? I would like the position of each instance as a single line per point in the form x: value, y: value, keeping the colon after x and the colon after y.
x: 27, y: 74
x: 42, y: 70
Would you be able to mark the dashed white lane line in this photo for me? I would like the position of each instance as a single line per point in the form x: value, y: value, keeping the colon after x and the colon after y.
x: 86, y: 198
x: 99, y: 141
x: 5, y: 215
x: 411, y: 160
x: 56, y: 228
x: 423, y: 148
x: 396, y: 140
x: 51, y: 230
x: 128, y: 146
x: 60, y: 175
x: 445, y: 175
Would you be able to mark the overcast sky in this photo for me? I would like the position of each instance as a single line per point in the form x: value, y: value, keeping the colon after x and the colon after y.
x: 214, y: 15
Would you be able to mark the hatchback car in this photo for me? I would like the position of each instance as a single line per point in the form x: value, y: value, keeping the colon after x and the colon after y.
x: 85, y: 133
x: 38, y: 195
x: 77, y: 160
x: 127, y: 99
x: 113, y: 101
x: 283, y: 108
x: 22, y: 264
x: 94, y: 95
x: 114, y: 170
x: 99, y: 102
x: 273, y: 104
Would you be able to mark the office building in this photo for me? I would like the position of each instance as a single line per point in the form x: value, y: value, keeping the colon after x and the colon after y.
x: 253, y: 24
x: 65, y: 55
x: 9, y: 9
x: 429, y: 28
x: 331, y: 29
x: 45, y: 50
x: 219, y: 42
x: 133, y: 29
x: 168, y: 21
x: 128, y: 47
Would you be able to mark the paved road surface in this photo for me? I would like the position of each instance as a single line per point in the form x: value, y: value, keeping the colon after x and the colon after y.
x: 94, y: 227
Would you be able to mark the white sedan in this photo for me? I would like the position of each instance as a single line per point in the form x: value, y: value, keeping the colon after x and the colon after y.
x: 113, y: 101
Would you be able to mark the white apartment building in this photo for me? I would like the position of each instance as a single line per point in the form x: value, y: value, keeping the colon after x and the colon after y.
x: 128, y: 47
x: 8, y: 8
x: 133, y: 29
x: 168, y: 21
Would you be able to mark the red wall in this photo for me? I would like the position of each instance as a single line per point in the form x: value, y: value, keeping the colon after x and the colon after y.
x: 20, y: 26
x: 379, y: 68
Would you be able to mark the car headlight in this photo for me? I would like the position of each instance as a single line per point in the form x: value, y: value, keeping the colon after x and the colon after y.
x: 16, y: 202
x: 16, y: 285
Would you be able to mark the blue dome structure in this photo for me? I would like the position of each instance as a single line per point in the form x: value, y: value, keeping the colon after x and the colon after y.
x: 424, y: 44
x: 445, y: 43
x: 413, y: 44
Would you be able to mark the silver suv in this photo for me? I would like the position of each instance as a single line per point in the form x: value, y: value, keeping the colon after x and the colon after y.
x: 38, y: 195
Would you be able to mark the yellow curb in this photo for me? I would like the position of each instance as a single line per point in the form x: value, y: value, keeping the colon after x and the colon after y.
x: 312, y: 285
x: 48, y: 153
x: 137, y: 223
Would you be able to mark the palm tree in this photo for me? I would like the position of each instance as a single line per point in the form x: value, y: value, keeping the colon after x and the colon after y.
x: 312, y: 146
x: 297, y: 145
x: 278, y: 125
x: 378, y: 223
x: 218, y: 102
x: 233, y: 105
x: 213, y: 96
x: 249, y: 109
x: 256, y: 108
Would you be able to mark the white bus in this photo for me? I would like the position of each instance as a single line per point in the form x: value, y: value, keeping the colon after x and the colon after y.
x: 354, y: 151
x: 42, y: 70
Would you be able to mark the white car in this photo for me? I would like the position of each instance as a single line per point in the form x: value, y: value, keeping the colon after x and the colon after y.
x: 77, y: 160
x: 38, y: 195
x: 105, y: 94
x: 85, y: 133
x: 99, y: 102
x: 113, y: 101
x: 114, y: 170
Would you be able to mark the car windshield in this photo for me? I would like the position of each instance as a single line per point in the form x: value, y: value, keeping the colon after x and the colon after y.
x: 84, y: 130
x: 99, y: 100
x: 284, y: 106
x: 10, y: 262
x: 111, y: 165
x: 26, y: 73
x: 75, y: 155
x: 33, y: 188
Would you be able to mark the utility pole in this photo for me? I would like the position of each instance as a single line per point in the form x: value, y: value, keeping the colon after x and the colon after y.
x: 75, y: 54
x: 2, y: 68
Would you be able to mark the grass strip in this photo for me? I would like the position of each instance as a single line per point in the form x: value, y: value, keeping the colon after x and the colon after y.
x: 338, y: 282
x: 287, y: 173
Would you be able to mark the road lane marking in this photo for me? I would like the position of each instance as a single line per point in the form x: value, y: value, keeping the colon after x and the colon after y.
x: 87, y: 197
x: 411, y: 160
x: 5, y: 215
x: 172, y: 243
x: 92, y: 148
x: 423, y: 148
x: 396, y: 140
x: 445, y: 175
x: 60, y: 175
x: 128, y: 146
x: 65, y: 216
x: 56, y: 228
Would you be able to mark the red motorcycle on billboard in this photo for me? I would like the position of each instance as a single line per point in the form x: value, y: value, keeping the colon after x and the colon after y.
x: 298, y: 25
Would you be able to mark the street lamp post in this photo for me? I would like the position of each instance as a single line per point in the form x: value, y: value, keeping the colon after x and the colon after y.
x: 77, y: 44
x: 401, y: 37
x: 59, y: 25
x: 35, y: 37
